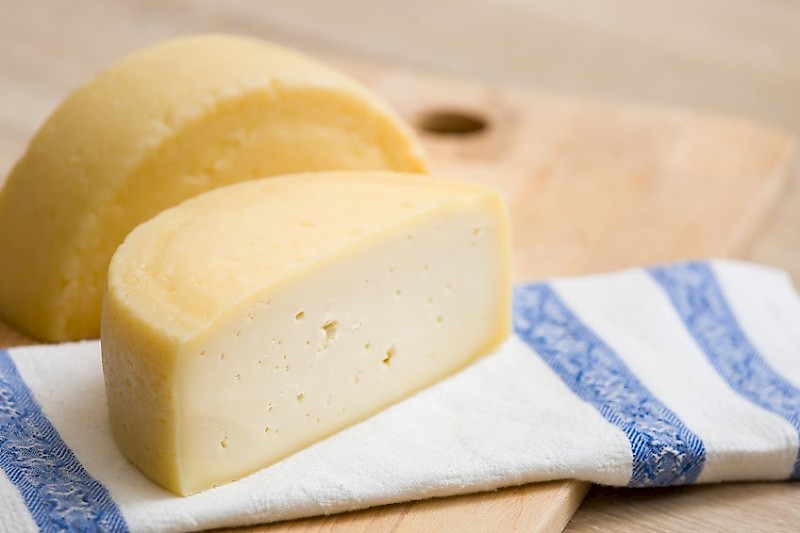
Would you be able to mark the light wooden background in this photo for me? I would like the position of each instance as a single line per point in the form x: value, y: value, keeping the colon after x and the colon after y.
x: 732, y: 56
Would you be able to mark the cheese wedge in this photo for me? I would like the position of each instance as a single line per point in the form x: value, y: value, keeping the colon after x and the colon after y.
x: 254, y: 320
x: 160, y: 126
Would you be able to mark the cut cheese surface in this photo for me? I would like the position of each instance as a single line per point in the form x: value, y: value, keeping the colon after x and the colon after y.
x: 160, y: 126
x: 254, y: 320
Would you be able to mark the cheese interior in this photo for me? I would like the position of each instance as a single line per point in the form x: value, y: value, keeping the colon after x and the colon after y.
x: 257, y: 319
x: 161, y: 126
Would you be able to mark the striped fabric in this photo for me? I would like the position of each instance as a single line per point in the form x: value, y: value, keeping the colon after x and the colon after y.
x: 678, y: 374
x: 698, y: 299
x: 665, y: 452
x: 57, y: 490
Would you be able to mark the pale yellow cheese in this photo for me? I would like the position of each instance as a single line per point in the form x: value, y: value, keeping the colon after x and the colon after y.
x: 160, y: 126
x: 256, y: 319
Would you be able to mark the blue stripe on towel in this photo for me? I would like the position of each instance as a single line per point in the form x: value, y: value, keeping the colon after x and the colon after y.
x: 59, y: 493
x: 665, y: 451
x: 698, y: 299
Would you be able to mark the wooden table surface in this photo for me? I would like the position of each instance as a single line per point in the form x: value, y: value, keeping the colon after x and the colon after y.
x: 731, y: 56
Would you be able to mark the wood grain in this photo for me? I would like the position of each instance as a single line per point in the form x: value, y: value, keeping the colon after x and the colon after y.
x: 597, y: 186
x: 730, y: 507
x: 594, y: 186
x: 534, y: 508
x: 729, y: 56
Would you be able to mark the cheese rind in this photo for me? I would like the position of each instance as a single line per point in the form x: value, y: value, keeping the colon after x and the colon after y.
x: 257, y: 319
x: 158, y: 127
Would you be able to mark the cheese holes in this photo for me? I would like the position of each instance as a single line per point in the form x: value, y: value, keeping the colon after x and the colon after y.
x: 299, y: 316
x: 330, y: 329
x: 328, y: 332
x: 300, y: 397
x: 390, y: 353
x: 476, y: 234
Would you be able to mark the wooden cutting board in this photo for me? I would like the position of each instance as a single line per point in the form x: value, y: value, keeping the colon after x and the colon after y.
x: 591, y: 187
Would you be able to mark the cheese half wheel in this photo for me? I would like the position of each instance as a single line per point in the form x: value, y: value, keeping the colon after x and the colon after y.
x: 254, y: 320
x: 160, y: 126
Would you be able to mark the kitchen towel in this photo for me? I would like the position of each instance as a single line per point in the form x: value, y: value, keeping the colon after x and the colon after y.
x: 677, y: 374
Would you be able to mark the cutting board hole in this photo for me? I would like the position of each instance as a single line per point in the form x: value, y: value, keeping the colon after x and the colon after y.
x: 443, y: 122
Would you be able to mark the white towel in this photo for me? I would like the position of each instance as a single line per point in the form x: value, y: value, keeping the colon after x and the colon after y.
x: 687, y: 373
